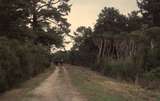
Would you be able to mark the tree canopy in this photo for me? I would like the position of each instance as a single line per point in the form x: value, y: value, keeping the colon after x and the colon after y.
x: 150, y: 9
x: 34, y: 16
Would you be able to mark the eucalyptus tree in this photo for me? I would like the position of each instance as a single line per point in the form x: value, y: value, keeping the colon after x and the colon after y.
x: 110, y: 24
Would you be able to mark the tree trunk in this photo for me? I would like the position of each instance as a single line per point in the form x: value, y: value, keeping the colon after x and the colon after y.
x: 100, y: 46
x: 104, y: 49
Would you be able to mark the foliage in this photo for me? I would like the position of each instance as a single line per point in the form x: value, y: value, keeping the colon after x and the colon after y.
x: 61, y: 55
x: 20, y: 62
x: 110, y: 20
x: 120, y: 46
x: 32, y: 18
x: 28, y: 29
x: 83, y: 50
x: 134, y: 22
x: 150, y: 9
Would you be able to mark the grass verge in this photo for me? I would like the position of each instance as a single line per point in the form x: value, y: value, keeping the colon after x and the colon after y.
x: 100, y: 88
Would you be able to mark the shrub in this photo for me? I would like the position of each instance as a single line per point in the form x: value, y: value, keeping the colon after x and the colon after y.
x: 20, y: 61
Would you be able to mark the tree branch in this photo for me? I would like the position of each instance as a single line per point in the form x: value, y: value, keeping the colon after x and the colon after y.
x: 52, y: 21
x: 49, y: 3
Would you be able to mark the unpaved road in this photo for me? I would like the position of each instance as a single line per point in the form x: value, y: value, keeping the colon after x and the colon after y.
x: 57, y: 87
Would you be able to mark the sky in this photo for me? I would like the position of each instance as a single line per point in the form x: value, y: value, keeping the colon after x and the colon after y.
x: 85, y: 12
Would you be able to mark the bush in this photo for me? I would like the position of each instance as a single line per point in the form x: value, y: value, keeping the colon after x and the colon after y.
x: 8, y: 61
x: 118, y: 69
x: 153, y: 74
x: 20, y: 61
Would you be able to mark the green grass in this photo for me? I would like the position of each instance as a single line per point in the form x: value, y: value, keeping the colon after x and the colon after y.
x: 94, y: 89
x: 158, y: 98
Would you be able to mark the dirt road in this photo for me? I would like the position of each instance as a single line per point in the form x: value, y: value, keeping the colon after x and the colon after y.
x: 57, y: 87
x: 72, y: 83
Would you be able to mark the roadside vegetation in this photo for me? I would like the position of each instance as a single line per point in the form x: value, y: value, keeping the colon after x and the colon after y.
x: 96, y: 87
x: 125, y: 47
x: 26, y: 37
x: 24, y: 90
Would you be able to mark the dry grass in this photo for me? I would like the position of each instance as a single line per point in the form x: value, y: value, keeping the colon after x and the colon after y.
x: 108, y: 88
x: 22, y: 91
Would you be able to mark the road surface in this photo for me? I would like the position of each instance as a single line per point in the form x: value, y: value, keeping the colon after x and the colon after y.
x: 57, y: 87
x: 74, y: 83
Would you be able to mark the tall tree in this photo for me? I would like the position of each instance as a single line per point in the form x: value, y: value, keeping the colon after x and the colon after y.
x: 44, y: 13
x: 81, y: 35
x: 48, y: 16
x: 109, y: 26
x: 42, y: 20
x: 110, y: 20
x: 84, y: 47
x: 134, y: 22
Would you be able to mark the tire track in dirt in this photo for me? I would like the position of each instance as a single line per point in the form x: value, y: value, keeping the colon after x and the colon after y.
x: 57, y: 87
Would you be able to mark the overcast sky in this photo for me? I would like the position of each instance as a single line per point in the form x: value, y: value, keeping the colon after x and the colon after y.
x: 85, y: 12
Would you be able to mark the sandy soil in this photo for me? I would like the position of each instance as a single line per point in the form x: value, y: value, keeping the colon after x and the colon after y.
x: 57, y: 87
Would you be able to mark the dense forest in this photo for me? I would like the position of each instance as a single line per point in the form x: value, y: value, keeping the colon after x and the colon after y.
x: 28, y: 29
x: 124, y: 47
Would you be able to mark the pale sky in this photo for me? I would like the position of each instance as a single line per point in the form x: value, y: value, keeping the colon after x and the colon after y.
x: 85, y: 12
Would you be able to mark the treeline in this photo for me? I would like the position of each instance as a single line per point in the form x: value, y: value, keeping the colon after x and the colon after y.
x: 28, y: 29
x: 123, y: 47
